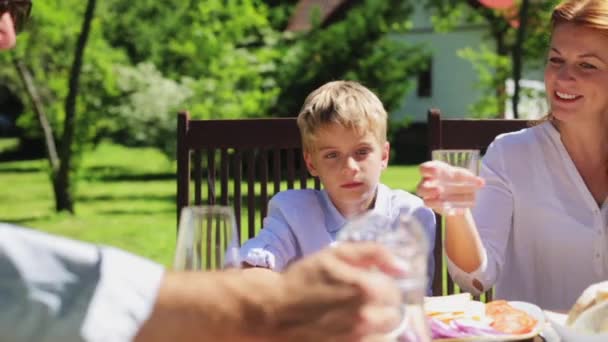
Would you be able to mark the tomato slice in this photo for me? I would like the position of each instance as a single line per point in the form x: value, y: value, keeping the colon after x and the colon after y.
x: 514, y: 322
x: 497, y: 307
x: 508, y: 319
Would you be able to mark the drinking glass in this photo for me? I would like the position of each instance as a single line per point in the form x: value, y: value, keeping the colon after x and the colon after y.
x: 454, y: 201
x: 405, y: 238
x: 207, y: 239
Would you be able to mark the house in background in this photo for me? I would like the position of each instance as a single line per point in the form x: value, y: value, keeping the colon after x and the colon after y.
x: 450, y: 83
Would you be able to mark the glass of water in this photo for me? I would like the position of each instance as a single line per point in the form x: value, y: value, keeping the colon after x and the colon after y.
x: 207, y: 239
x: 456, y: 195
x: 405, y: 238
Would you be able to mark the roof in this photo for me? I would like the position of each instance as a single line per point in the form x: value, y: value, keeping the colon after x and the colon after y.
x: 301, y: 18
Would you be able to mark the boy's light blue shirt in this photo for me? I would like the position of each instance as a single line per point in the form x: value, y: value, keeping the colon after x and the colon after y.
x: 301, y: 222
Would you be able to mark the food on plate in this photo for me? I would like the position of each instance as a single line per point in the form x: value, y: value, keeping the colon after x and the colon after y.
x: 508, y: 319
x: 590, y: 312
x: 459, y: 316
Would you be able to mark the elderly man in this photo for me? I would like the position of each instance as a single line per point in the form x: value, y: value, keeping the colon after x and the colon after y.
x: 55, y: 289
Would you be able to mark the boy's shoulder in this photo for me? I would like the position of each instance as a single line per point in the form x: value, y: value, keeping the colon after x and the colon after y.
x: 296, y: 197
x: 398, y: 196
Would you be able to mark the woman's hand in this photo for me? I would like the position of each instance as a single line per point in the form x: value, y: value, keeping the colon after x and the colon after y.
x: 442, y: 183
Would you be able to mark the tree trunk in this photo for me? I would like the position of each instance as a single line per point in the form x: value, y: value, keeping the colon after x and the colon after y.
x: 501, y: 91
x: 47, y: 130
x: 62, y: 183
x: 518, y: 54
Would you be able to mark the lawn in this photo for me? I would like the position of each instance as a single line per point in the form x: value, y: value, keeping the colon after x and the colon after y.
x: 125, y: 197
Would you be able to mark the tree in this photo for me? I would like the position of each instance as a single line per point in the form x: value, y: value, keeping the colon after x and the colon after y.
x: 42, y: 62
x: 361, y: 47
x: 520, y: 37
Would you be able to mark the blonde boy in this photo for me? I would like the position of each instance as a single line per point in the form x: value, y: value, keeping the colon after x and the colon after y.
x: 343, y: 129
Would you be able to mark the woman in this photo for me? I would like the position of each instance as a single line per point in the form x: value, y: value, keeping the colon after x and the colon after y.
x: 538, y: 230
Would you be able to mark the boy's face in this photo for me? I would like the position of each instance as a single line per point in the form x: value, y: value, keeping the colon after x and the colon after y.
x: 348, y: 164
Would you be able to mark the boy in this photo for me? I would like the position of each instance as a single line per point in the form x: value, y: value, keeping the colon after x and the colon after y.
x: 343, y: 129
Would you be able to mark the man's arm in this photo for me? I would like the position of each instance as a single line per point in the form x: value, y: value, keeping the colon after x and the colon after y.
x: 328, y: 296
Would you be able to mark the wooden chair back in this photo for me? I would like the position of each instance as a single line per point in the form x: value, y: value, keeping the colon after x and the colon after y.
x: 240, y: 162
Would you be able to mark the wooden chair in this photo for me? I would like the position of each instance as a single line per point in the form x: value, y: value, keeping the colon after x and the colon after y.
x: 461, y: 134
x: 235, y: 161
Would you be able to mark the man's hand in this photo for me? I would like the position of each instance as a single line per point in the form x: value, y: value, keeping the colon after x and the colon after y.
x: 339, y: 295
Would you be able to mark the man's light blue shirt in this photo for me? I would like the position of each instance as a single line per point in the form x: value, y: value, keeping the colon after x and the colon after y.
x: 55, y: 289
x: 301, y: 222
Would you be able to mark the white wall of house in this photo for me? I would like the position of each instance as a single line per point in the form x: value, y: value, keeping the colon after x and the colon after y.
x: 454, y: 81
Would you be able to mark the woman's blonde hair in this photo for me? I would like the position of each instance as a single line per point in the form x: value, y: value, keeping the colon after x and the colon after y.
x: 587, y: 13
x: 346, y: 103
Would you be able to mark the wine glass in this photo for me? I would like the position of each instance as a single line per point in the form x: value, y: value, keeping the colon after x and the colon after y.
x: 207, y: 239
x: 405, y: 238
x: 453, y: 200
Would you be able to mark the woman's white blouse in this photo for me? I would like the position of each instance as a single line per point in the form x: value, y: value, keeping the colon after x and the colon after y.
x: 544, y: 235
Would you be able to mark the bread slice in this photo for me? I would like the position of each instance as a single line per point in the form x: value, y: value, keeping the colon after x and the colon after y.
x: 451, y: 303
x: 593, y: 295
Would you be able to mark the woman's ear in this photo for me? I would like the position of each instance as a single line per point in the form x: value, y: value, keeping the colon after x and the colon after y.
x: 309, y: 164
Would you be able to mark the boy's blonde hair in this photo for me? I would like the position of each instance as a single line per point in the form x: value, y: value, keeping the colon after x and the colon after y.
x: 345, y: 103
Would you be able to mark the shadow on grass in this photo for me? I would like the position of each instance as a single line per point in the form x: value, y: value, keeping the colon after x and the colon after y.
x: 26, y: 222
x: 119, y: 173
x: 139, y: 177
x: 131, y: 212
x: 126, y: 197
x: 11, y: 169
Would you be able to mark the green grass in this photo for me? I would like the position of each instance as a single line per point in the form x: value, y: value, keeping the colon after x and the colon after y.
x: 124, y: 198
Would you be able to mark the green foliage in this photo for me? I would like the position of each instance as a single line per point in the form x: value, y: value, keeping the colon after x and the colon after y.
x: 47, y: 49
x: 492, y: 70
x: 359, y: 47
x: 143, y: 117
x: 216, y: 58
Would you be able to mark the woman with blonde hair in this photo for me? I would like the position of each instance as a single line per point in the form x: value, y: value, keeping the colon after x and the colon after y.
x: 538, y: 231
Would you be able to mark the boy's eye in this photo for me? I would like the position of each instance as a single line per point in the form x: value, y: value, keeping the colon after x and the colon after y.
x: 363, y: 151
x: 585, y: 65
x: 555, y: 60
x: 331, y: 155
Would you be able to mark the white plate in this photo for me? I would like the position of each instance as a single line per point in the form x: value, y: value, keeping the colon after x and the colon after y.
x: 529, y: 308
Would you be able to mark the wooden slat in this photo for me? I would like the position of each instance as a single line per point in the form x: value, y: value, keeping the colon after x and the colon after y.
x: 317, y: 183
x: 263, y: 185
x: 238, y: 170
x: 291, y: 168
x: 276, y: 174
x: 303, y: 172
x: 183, y: 164
x: 224, y: 175
x: 250, y: 194
x: 198, y: 176
x: 211, y: 193
x: 438, y: 256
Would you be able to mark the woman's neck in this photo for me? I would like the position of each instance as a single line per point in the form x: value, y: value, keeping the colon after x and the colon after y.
x: 587, y: 144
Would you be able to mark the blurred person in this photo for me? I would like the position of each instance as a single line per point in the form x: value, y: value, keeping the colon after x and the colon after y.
x: 538, y: 230
x: 56, y: 289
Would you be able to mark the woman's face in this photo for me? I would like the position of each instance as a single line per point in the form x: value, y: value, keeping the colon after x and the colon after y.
x: 576, y: 74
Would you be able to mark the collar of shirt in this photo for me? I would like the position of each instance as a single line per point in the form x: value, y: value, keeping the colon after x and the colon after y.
x: 334, y: 220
